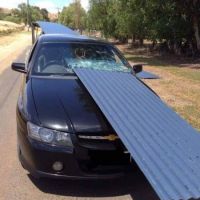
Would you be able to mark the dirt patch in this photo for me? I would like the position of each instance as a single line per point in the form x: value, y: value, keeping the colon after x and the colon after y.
x: 11, y: 46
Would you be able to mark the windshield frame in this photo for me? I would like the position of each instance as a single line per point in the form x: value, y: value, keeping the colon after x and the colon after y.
x: 37, y: 51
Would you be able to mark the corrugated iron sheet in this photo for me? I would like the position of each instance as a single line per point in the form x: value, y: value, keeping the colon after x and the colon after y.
x: 165, y: 147
x: 55, y: 28
x: 147, y: 75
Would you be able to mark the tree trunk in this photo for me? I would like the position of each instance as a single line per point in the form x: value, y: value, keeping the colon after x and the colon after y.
x: 133, y: 39
x: 141, y: 41
x: 196, y: 31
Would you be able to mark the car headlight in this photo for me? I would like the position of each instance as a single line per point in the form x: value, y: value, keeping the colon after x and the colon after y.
x: 49, y: 136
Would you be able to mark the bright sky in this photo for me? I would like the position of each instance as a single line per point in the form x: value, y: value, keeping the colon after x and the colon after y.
x: 50, y: 5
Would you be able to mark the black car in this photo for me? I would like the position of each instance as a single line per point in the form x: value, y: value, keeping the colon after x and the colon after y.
x: 61, y: 131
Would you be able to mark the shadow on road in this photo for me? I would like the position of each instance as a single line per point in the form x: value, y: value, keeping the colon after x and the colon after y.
x: 134, y: 185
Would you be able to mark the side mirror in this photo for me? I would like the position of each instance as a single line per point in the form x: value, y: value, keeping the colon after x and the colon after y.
x: 19, y: 67
x: 137, y: 68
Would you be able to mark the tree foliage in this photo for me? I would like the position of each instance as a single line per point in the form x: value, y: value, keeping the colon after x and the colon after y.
x: 19, y: 15
x: 172, y: 22
x: 34, y: 13
x: 73, y: 16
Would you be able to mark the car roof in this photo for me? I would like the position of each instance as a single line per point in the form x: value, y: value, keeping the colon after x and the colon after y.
x: 54, y: 38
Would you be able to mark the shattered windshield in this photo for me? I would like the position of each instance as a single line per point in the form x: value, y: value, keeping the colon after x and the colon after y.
x: 62, y: 58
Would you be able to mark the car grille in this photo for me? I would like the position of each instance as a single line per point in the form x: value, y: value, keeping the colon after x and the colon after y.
x: 103, y: 153
x: 101, y: 142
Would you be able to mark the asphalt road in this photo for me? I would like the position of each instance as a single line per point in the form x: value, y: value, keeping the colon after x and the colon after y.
x: 16, y: 183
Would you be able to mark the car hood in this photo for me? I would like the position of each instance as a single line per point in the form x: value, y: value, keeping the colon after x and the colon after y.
x: 64, y: 104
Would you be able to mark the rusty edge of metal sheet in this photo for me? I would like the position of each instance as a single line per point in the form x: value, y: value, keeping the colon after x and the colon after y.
x: 165, y: 147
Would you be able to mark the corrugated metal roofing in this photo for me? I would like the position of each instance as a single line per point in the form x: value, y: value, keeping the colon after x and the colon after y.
x: 165, y: 147
x: 147, y: 75
x: 55, y: 28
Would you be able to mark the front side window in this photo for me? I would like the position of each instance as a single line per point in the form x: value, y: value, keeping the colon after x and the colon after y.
x: 62, y: 58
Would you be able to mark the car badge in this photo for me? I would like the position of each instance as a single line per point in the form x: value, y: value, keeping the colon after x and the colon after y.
x: 111, y: 137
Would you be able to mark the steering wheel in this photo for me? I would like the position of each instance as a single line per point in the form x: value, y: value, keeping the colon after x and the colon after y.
x: 52, y: 62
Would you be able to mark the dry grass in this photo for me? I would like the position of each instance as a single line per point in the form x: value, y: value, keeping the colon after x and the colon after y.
x: 179, y: 86
x: 9, y: 27
x: 179, y: 90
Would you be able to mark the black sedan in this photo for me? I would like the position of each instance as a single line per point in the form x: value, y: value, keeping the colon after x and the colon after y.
x: 61, y: 131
